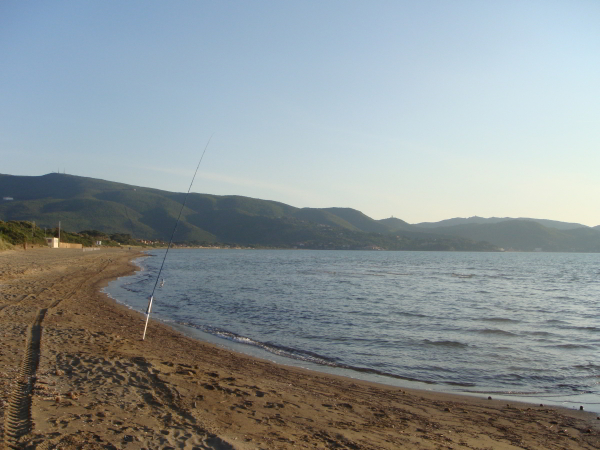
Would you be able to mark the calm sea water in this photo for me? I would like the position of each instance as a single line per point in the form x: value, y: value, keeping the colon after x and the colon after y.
x: 515, y: 325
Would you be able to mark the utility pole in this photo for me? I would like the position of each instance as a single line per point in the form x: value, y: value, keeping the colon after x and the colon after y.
x: 59, y: 232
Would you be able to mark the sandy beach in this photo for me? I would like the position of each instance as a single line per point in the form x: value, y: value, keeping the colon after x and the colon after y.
x: 75, y: 374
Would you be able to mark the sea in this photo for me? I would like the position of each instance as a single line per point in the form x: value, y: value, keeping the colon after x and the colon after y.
x: 514, y: 326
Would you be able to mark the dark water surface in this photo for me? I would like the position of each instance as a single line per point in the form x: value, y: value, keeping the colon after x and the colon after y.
x: 518, y: 325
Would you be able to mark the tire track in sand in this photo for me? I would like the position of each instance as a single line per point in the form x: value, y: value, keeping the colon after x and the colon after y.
x: 17, y: 416
x: 17, y: 419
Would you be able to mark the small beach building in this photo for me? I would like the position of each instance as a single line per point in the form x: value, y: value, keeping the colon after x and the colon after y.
x: 52, y: 242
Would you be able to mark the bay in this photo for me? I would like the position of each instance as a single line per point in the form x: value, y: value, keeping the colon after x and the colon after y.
x: 522, y: 326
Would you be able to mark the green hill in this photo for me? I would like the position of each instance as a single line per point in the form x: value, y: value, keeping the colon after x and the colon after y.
x: 324, y: 217
x: 81, y: 203
x: 357, y: 219
x: 527, y: 235
x: 394, y: 224
x: 490, y: 220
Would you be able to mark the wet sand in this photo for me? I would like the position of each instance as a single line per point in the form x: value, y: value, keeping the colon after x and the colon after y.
x: 74, y: 374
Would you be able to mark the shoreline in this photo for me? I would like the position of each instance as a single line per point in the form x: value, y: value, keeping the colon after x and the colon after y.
x: 273, y: 353
x: 368, y: 376
x: 98, y: 384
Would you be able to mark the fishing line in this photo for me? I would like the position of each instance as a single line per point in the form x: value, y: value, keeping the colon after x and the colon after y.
x: 171, y: 240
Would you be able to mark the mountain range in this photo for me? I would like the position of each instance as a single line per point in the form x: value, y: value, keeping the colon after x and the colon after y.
x: 81, y: 203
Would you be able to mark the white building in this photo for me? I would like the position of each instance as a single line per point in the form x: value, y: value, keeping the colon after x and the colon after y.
x: 52, y: 242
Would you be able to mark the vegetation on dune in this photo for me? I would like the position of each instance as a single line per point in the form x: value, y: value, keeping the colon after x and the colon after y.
x: 5, y: 245
x: 17, y: 232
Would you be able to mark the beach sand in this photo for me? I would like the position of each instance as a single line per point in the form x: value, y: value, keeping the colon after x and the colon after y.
x: 74, y: 374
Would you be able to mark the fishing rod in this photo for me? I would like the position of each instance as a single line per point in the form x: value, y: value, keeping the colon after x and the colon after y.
x: 171, y: 241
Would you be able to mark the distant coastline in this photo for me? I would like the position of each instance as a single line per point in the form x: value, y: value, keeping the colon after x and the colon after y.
x: 91, y: 210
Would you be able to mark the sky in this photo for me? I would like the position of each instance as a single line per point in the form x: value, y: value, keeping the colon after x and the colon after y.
x: 422, y: 111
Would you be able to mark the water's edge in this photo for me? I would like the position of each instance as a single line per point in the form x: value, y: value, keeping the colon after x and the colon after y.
x: 284, y: 356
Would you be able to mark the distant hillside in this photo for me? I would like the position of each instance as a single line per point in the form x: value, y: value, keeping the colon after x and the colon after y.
x: 394, y: 224
x: 482, y: 220
x: 81, y: 203
x: 460, y: 221
x: 323, y: 217
x: 527, y: 235
x: 358, y: 219
x: 86, y: 203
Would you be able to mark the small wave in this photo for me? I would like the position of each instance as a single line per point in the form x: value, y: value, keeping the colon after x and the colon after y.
x: 301, y: 355
x: 590, y: 329
x: 500, y: 319
x: 538, y: 333
x: 571, y: 346
x: 499, y: 276
x: 445, y: 343
x: 510, y: 392
x: 556, y: 321
x: 495, y: 331
x: 589, y: 366
x: 408, y: 314
x: 575, y: 389
x: 350, y: 274
x: 280, y: 350
x: 463, y: 275
x: 456, y: 383
x: 374, y: 272
x: 511, y: 377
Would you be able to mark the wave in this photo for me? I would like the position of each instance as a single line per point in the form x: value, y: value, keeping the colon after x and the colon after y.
x: 589, y: 366
x: 499, y: 276
x: 495, y: 331
x: 376, y: 317
x: 555, y: 321
x: 379, y: 273
x: 445, y: 343
x: 571, y: 346
x: 538, y: 333
x: 456, y: 383
x: 409, y: 314
x: 300, y: 355
x: 499, y: 319
x: 507, y: 393
x: 565, y: 326
x: 280, y: 350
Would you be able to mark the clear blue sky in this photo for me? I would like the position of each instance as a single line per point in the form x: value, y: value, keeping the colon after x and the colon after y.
x: 422, y: 110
